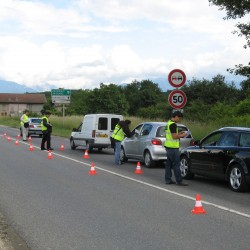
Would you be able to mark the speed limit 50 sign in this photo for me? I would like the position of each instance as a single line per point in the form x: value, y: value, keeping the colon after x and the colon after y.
x: 177, y: 99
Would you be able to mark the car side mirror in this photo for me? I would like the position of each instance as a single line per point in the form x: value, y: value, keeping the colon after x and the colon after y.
x: 74, y: 130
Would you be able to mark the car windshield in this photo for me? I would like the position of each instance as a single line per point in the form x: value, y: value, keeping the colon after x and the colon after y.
x: 35, y: 120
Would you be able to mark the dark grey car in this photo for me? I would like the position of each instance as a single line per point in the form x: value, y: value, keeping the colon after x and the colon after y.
x: 147, y: 145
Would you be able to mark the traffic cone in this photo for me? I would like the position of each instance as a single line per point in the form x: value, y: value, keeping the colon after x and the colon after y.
x: 198, y: 209
x: 138, y: 168
x: 86, y: 155
x: 29, y: 139
x: 4, y: 134
x: 18, y: 136
x: 92, y: 169
x: 16, y: 143
x: 50, y: 155
x: 62, y: 147
x: 31, y: 147
x: 8, y: 138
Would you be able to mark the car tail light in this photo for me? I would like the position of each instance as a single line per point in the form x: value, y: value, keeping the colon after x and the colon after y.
x: 155, y: 141
x: 192, y: 142
x: 93, y: 133
x: 32, y: 126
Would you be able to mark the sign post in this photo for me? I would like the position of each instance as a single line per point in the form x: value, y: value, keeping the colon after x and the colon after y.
x: 61, y: 96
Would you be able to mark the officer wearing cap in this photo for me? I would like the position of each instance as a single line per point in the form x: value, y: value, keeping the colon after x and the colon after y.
x: 46, y: 130
x: 172, y: 145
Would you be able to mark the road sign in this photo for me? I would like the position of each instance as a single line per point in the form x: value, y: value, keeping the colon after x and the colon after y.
x: 177, y: 78
x: 60, y: 96
x: 177, y: 99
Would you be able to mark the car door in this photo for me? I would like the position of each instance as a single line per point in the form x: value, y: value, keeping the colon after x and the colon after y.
x: 143, y: 140
x: 131, y: 144
x: 201, y: 155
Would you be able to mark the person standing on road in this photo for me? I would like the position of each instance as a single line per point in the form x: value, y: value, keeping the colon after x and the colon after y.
x: 121, y: 130
x: 25, y: 124
x: 172, y: 145
x: 47, y: 130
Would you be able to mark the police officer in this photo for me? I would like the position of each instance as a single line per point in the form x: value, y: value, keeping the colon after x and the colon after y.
x: 25, y: 124
x: 121, y: 130
x: 46, y: 130
x: 172, y: 145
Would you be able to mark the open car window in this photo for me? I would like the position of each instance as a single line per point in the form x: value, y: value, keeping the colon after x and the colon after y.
x: 211, y: 140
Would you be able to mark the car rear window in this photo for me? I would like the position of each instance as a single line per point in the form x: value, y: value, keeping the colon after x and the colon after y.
x: 36, y: 120
x: 162, y: 133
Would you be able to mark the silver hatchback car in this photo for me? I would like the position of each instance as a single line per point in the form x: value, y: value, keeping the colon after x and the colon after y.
x: 147, y: 145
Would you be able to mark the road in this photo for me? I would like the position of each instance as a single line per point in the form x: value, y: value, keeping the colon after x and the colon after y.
x: 55, y: 203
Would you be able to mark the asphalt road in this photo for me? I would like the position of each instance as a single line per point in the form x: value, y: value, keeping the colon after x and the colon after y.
x: 56, y: 204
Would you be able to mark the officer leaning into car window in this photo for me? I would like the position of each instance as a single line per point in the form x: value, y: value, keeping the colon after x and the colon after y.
x: 121, y: 130
x: 47, y: 130
x: 25, y: 124
x: 172, y: 145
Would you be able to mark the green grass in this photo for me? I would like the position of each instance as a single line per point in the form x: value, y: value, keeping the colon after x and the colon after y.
x: 63, y: 126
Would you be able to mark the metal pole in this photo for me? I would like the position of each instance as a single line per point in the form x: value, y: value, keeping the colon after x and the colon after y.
x: 63, y: 114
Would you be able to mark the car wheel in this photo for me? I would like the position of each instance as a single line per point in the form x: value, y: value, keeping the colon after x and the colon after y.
x: 88, y: 147
x: 237, y: 179
x: 123, y: 157
x: 149, y: 163
x: 185, y: 168
x: 72, y: 144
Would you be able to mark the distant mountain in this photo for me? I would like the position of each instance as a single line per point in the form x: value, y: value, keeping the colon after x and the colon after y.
x: 12, y: 87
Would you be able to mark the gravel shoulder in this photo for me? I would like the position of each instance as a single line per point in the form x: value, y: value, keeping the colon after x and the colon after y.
x: 9, y: 239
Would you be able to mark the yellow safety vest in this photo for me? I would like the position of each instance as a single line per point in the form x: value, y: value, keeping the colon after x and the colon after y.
x: 25, y: 118
x: 42, y: 126
x: 170, y: 142
x: 118, y: 133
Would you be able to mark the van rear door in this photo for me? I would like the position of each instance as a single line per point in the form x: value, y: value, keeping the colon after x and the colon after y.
x: 104, y: 127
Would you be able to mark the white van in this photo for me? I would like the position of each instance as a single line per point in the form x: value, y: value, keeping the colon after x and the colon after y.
x: 94, y: 131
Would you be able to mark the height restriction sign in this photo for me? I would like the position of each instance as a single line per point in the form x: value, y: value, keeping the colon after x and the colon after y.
x: 177, y: 99
x: 177, y: 78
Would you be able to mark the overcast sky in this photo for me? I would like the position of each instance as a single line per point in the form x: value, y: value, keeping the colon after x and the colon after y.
x: 81, y: 43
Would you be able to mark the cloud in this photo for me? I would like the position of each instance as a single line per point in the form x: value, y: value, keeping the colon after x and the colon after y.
x: 85, y: 42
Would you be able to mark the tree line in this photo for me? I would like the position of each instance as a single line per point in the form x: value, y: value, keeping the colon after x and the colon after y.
x: 206, y: 99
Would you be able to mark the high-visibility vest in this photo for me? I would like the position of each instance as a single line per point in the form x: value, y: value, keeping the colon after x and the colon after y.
x: 170, y: 142
x: 25, y: 119
x: 42, y: 126
x: 118, y: 133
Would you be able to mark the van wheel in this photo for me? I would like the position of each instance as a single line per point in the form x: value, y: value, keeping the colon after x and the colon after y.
x: 88, y: 147
x: 149, y: 163
x: 72, y: 144
x: 123, y: 157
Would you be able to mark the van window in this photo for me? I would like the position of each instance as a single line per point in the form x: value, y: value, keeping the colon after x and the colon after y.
x: 114, y: 122
x: 103, y: 123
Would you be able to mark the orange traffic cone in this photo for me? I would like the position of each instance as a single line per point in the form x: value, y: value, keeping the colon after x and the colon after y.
x: 50, y: 155
x: 138, y: 168
x: 31, y: 147
x: 18, y: 136
x: 198, y: 209
x: 4, y: 134
x: 29, y: 139
x: 86, y: 155
x: 92, y: 169
x: 16, y: 143
x: 8, y: 138
x: 62, y: 147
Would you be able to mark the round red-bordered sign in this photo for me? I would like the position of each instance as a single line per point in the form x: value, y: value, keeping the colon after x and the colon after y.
x: 177, y: 99
x: 177, y: 78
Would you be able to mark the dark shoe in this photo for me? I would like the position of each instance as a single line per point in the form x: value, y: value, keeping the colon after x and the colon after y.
x: 43, y: 148
x: 182, y: 184
x: 50, y: 149
x: 171, y: 182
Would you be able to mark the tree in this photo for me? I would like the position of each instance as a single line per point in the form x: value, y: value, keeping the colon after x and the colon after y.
x: 237, y: 9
